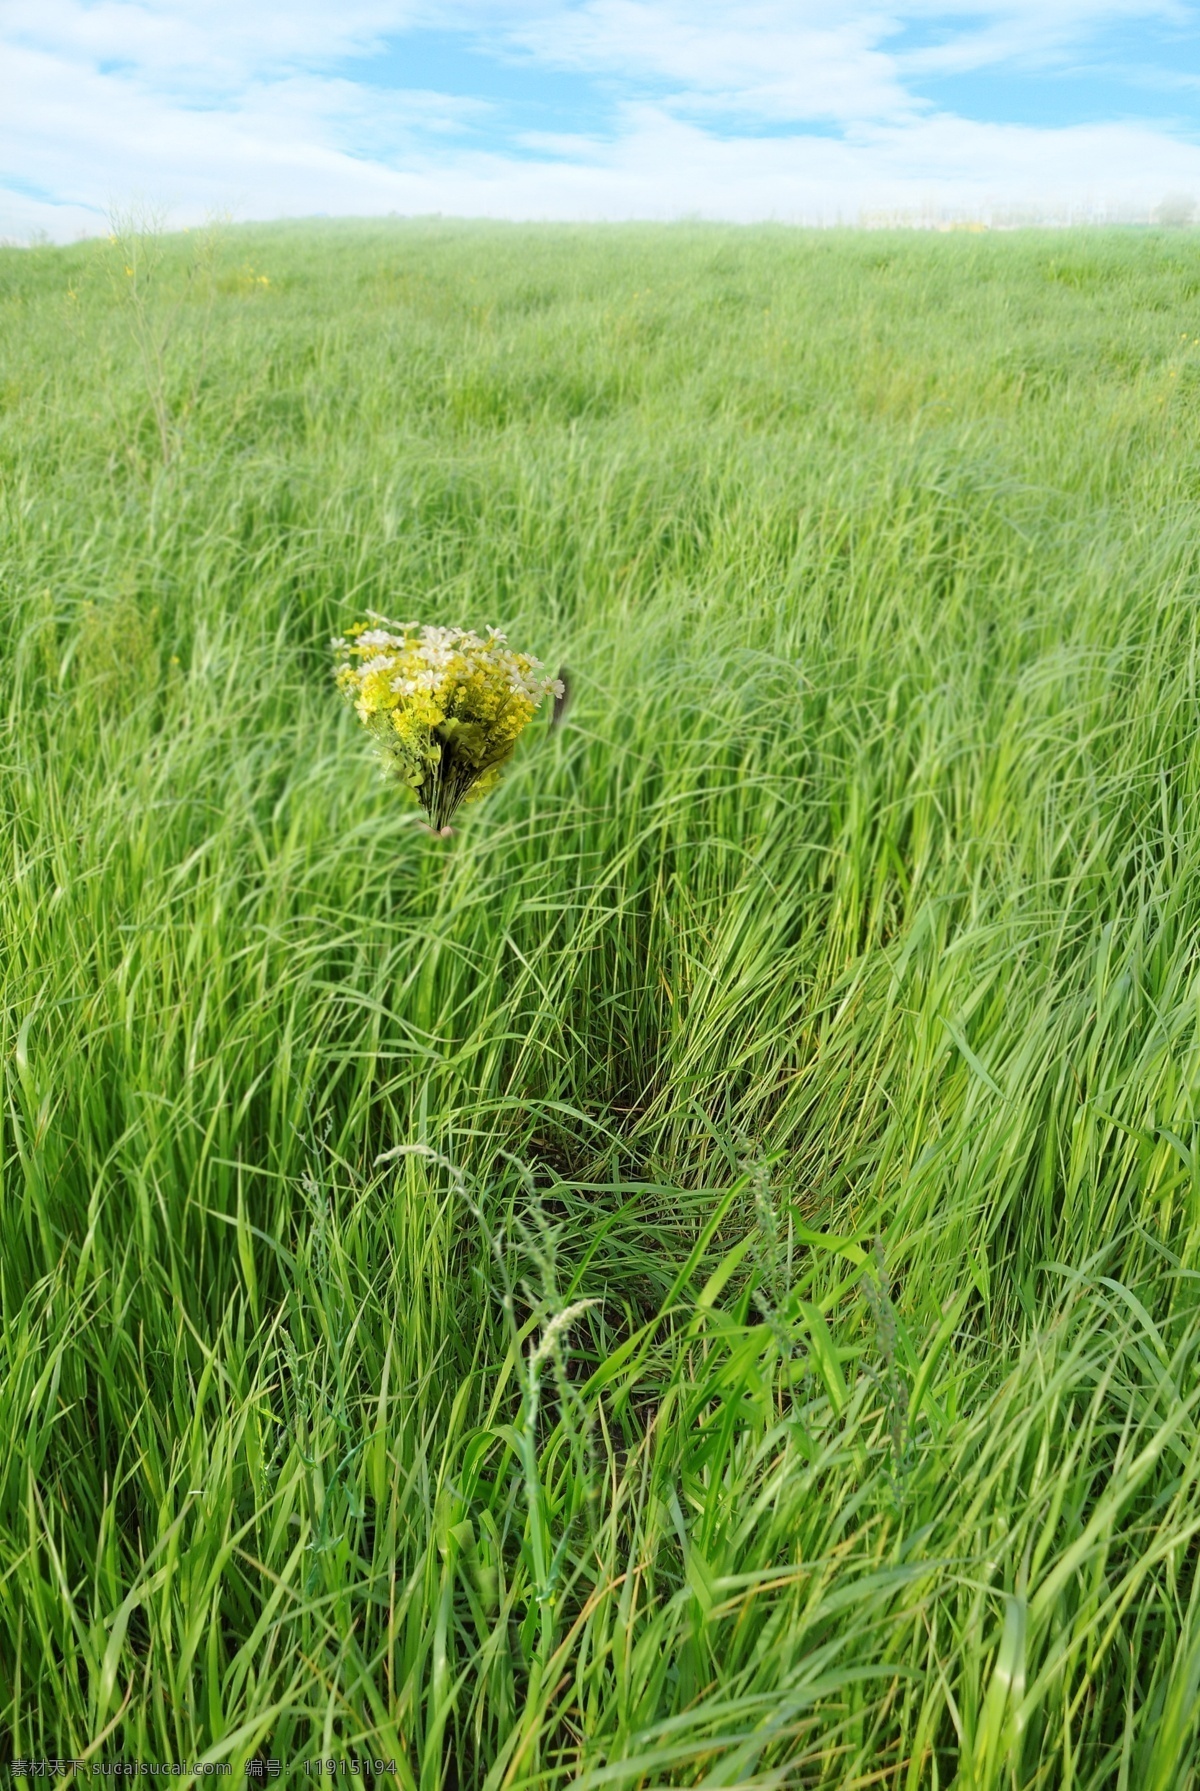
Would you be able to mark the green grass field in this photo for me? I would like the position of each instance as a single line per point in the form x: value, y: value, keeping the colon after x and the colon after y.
x: 820, y: 1005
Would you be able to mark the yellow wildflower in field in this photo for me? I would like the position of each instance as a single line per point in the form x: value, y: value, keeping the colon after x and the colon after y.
x: 445, y: 707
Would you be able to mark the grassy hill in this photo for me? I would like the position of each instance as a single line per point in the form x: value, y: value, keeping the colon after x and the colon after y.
x: 694, y: 1280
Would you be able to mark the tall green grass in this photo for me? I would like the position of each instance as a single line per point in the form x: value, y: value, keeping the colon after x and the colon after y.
x: 695, y: 1280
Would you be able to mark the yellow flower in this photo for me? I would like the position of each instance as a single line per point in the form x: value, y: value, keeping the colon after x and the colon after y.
x: 445, y: 706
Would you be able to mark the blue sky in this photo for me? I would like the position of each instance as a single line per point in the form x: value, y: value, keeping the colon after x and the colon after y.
x: 594, y: 108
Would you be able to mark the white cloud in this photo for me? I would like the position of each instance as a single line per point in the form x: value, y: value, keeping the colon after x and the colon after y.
x: 836, y: 56
x: 201, y: 43
x: 219, y: 105
x: 773, y: 62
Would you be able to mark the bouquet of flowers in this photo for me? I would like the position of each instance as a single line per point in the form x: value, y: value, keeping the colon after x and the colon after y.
x: 444, y: 707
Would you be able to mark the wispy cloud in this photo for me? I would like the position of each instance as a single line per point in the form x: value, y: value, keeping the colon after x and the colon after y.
x: 645, y: 108
x: 772, y: 64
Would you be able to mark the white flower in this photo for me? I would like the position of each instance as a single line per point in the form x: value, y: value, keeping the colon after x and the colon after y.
x: 379, y: 637
x: 439, y: 639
